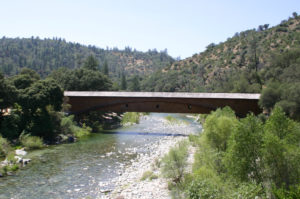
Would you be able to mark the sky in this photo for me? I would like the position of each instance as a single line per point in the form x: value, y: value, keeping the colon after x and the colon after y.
x: 183, y: 27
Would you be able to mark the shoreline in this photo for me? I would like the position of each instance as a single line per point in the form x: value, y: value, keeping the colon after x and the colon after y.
x: 129, y: 183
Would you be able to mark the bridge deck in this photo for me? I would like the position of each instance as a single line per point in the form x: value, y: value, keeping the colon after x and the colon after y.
x: 249, y: 96
x: 83, y: 101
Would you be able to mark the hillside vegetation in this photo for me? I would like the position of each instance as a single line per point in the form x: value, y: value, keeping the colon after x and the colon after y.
x: 46, y: 55
x: 239, y: 64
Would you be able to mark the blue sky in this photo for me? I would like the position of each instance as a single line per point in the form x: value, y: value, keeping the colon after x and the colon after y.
x: 184, y: 27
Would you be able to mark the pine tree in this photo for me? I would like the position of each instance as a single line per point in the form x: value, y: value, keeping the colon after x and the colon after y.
x: 123, y: 82
x: 105, y: 68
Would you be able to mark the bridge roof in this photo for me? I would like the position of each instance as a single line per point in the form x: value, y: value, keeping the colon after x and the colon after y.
x: 249, y: 96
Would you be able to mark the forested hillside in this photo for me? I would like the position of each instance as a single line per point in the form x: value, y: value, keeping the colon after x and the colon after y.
x: 46, y: 55
x: 240, y: 64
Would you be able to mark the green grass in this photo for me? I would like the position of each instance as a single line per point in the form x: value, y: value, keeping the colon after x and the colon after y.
x: 32, y: 142
x: 148, y: 175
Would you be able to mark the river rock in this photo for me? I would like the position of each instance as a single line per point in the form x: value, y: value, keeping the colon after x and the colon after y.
x: 120, y: 197
x: 19, y: 159
x: 20, y: 152
x: 26, y: 161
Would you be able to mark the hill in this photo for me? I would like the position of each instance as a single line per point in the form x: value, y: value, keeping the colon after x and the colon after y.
x: 236, y: 65
x: 46, y: 55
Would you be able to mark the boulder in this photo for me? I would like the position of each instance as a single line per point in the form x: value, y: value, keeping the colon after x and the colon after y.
x: 20, y: 152
x: 26, y: 161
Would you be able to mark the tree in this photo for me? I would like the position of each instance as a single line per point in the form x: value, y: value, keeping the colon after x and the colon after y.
x: 7, y: 94
x: 280, y: 152
x: 295, y: 15
x: 134, y: 84
x: 91, y: 63
x: 105, y: 68
x: 123, y: 82
x: 266, y: 26
x: 82, y: 80
x: 218, y: 127
x: 245, y: 149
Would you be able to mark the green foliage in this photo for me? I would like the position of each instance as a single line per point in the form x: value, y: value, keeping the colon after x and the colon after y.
x: 270, y: 96
x: 258, y: 156
x: 130, y: 118
x: 205, y: 188
x: 31, y: 142
x: 171, y: 119
x: 284, y: 81
x: 47, y: 55
x: 249, y: 190
x: 281, y: 152
x: 245, y: 149
x: 4, y: 147
x: 105, y: 68
x: 218, y: 127
x: 81, y: 80
x: 11, y: 125
x: 148, y: 174
x: 7, y: 94
x: 123, y: 82
x: 91, y: 63
x: 83, y: 131
x: 67, y: 125
x: 292, y: 193
x: 174, y: 162
x: 134, y: 84
x: 241, y: 64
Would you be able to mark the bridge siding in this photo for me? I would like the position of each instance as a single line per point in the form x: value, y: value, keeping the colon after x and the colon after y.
x: 84, y: 103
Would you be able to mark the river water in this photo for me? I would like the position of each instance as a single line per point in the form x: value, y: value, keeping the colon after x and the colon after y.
x: 86, y: 168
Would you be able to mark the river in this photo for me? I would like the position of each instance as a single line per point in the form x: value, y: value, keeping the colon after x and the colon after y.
x: 87, y: 167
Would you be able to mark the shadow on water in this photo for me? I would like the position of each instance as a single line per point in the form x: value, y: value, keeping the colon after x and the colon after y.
x: 146, y: 133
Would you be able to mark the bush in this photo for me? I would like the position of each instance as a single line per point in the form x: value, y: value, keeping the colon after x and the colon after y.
x: 174, y: 162
x: 281, y: 152
x: 4, y: 147
x: 83, y: 131
x: 130, y: 118
x: 67, y: 125
x: 248, y: 191
x: 245, y: 149
x: 204, y: 189
x: 292, y: 193
x: 148, y: 175
x: 218, y: 127
x: 10, y: 126
x: 31, y: 142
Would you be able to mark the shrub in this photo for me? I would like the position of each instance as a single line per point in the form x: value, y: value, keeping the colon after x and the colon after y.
x: 130, y: 118
x: 248, y: 191
x: 174, y: 162
x: 83, y: 131
x: 281, y: 152
x: 292, y: 193
x: 245, y: 149
x: 31, y: 142
x: 4, y: 147
x: 10, y: 127
x: 218, y: 127
x: 67, y: 125
x: 204, y: 189
x: 146, y: 175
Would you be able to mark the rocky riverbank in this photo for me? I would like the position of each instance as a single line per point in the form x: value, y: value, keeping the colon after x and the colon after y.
x: 130, y: 185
